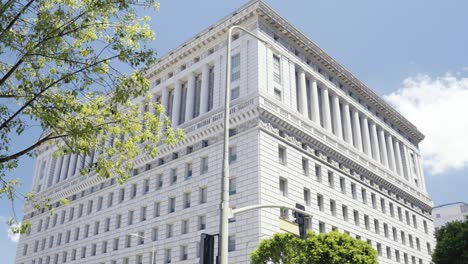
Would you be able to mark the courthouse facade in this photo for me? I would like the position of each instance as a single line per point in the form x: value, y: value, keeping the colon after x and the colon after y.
x: 304, y: 130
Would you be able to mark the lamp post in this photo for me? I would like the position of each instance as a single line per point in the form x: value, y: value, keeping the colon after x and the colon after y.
x: 152, y: 251
x: 225, y: 211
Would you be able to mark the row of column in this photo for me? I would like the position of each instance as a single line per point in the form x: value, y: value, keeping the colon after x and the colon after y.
x: 67, y: 166
x: 336, y: 116
x: 174, y: 108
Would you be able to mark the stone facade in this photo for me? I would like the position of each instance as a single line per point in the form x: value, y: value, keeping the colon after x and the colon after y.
x: 304, y: 130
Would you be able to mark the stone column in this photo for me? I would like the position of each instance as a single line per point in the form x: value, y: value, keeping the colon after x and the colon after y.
x: 65, y: 167
x: 190, y: 97
x: 315, y: 102
x: 79, y: 162
x: 88, y: 160
x: 59, y: 168
x: 303, y: 107
x: 375, y: 142
x: 398, y: 160
x: 383, y: 148
x: 348, y: 134
x: 337, y: 116
x: 406, y: 165
x: 357, y: 130
x: 366, y: 137
x: 204, y: 89
x: 391, y: 153
x: 326, y: 110
x: 72, y: 168
x: 176, y: 104
x: 165, y: 98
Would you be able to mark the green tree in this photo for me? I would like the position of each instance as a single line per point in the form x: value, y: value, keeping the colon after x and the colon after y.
x: 326, y: 248
x: 452, y: 243
x: 61, y: 78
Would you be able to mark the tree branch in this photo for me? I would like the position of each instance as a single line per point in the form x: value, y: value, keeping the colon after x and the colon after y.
x: 5, y: 123
x: 28, y: 149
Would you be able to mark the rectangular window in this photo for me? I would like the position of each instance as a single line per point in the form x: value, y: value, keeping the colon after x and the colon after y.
x: 203, y: 165
x: 374, y: 203
x: 333, y: 207
x: 173, y: 176
x: 356, y: 217
x: 232, y: 186
x: 115, y: 245
x: 211, y: 89
x: 167, y: 257
x: 276, y: 69
x: 232, y: 154
x: 183, y: 102
x: 169, y: 230
x: 366, y: 222
x: 318, y: 173
x: 282, y: 155
x: 146, y: 183
x: 128, y: 241
x: 353, y: 190
x: 201, y: 222
x: 385, y: 228
x: 118, y: 221
x: 121, y: 195
x: 320, y: 202
x: 96, y: 227
x: 342, y: 185
x: 382, y: 205
x: 235, y: 67
x: 376, y: 226
x: 283, y: 187
x: 154, y: 233
x: 305, y: 166
x: 130, y: 218
x: 184, y: 226
x: 307, y: 196
x: 157, y: 209
x: 107, y: 225
x: 143, y: 213
x: 110, y: 199
x: 364, y: 196
x: 331, y: 179
x: 278, y: 94
x: 203, y: 195
x: 159, y: 182
x: 231, y: 243
x: 392, y: 211
x: 171, y: 205
x: 344, y: 209
x: 188, y: 170
x: 187, y: 200
x: 133, y: 191
x: 197, y: 94
x: 235, y: 92
x: 90, y: 206
x: 322, y: 228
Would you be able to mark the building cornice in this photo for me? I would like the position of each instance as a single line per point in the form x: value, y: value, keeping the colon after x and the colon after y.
x: 260, y: 8
x: 331, y: 64
x: 295, y: 126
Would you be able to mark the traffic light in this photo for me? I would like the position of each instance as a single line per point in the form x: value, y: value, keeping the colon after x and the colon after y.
x: 206, y: 249
x: 300, y: 220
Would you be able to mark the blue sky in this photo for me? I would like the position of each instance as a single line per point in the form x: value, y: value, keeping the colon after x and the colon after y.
x: 411, y: 52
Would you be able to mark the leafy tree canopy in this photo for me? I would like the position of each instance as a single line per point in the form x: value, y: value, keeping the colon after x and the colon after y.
x: 325, y: 248
x: 61, y: 73
x: 452, y: 243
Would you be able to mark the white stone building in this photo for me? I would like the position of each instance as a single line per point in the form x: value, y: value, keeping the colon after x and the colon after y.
x: 304, y: 130
x: 446, y: 213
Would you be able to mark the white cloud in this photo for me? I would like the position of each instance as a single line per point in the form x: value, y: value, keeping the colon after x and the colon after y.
x: 439, y: 108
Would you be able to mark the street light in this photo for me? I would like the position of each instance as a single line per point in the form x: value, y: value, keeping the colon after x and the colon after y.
x: 225, y: 211
x: 152, y: 252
